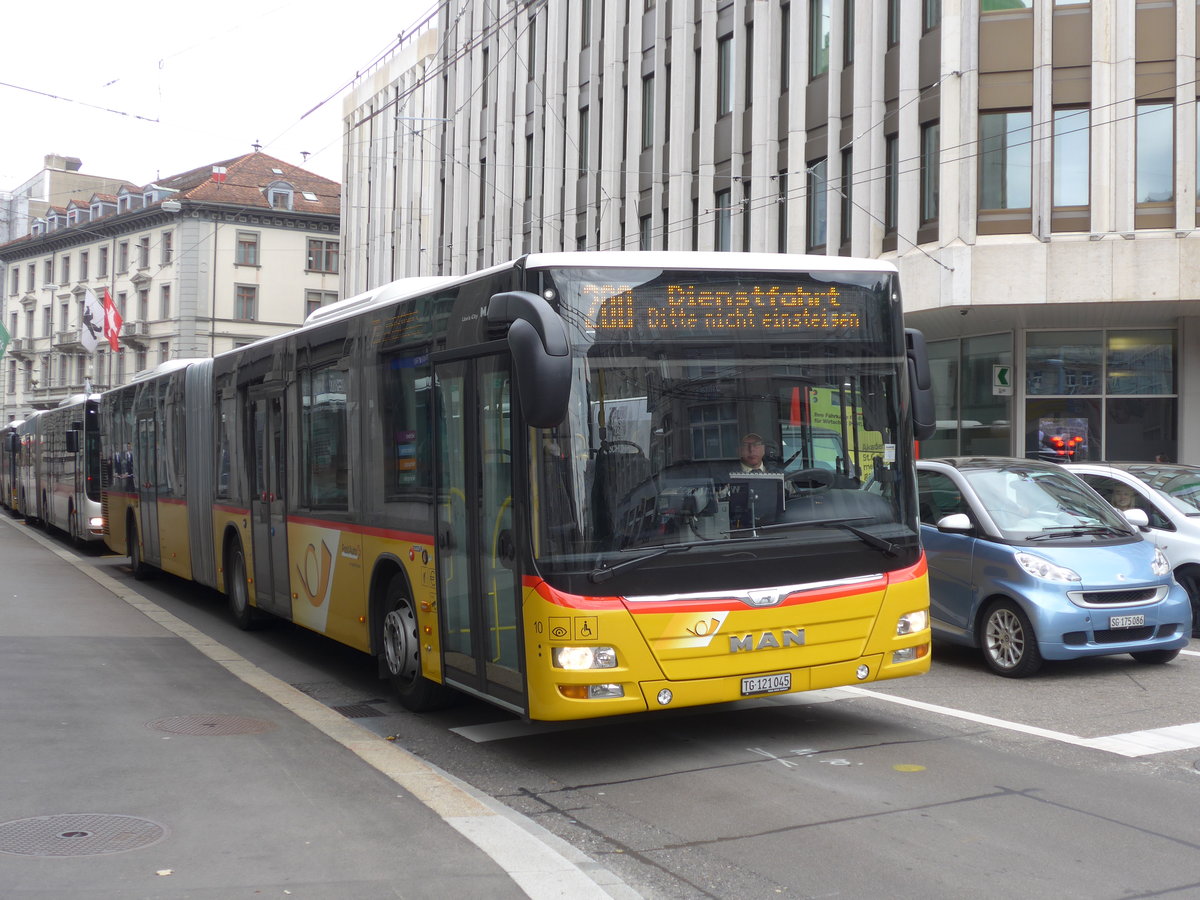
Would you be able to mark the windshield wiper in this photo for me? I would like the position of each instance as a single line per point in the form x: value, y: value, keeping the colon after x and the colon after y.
x: 604, y: 573
x: 1074, y: 531
x: 888, y: 548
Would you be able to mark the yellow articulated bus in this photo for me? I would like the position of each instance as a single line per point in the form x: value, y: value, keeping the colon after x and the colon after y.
x: 526, y: 484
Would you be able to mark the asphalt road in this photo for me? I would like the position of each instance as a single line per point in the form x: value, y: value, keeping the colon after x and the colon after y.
x: 1083, y: 781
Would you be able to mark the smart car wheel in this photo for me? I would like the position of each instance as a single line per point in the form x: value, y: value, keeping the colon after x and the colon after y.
x: 1009, y: 644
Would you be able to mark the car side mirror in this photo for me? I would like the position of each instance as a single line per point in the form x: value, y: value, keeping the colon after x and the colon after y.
x: 1137, y: 517
x: 955, y: 522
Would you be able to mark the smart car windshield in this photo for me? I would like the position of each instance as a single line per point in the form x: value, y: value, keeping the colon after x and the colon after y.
x: 1027, y: 502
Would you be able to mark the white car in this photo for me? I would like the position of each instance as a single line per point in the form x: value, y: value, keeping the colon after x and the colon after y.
x: 1169, y: 495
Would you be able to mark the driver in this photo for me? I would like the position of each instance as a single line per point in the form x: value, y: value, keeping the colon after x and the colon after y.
x: 752, y: 450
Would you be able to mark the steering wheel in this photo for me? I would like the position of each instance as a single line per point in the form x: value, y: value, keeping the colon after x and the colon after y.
x: 809, y: 481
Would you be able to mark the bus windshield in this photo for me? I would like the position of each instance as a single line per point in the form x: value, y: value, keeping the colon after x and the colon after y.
x: 733, y: 413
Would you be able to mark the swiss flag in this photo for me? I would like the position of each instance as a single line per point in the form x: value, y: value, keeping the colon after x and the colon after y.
x: 112, y: 322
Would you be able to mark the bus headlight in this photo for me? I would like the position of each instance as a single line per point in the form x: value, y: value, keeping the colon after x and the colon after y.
x: 577, y: 658
x: 912, y: 622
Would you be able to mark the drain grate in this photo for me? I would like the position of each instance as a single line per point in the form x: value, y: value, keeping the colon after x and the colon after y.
x: 219, y: 725
x: 357, y: 711
x: 84, y: 834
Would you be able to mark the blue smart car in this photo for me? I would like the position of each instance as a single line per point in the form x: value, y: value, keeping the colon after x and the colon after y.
x: 1028, y: 563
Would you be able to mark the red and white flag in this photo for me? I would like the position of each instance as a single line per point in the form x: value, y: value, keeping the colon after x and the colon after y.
x: 112, y: 322
x: 218, y: 174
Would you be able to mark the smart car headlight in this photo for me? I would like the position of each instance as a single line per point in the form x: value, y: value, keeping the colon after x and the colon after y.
x: 1046, y: 570
x: 1159, y: 566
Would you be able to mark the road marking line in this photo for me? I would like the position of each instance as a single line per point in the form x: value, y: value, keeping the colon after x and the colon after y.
x: 1132, y: 744
x: 543, y: 865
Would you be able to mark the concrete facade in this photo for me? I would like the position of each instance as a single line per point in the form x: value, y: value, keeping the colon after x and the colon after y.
x: 1030, y: 166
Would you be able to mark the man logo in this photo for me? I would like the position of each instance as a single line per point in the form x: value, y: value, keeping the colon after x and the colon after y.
x: 768, y: 640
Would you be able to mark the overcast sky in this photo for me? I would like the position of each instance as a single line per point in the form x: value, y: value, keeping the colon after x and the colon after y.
x: 154, y: 89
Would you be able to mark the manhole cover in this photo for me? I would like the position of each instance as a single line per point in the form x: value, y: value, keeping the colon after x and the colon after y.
x: 221, y: 725
x: 357, y: 711
x: 83, y: 834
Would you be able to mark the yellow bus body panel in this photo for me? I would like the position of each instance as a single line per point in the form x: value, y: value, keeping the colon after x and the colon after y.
x: 700, y: 655
x: 173, y: 544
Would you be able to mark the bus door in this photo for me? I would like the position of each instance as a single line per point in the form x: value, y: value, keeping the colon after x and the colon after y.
x: 145, y: 481
x: 268, y: 515
x: 478, y: 572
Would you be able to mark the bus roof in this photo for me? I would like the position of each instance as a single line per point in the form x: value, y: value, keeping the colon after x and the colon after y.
x: 716, y: 262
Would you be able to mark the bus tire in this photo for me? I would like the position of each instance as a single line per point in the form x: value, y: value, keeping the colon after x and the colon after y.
x: 133, y: 545
x: 245, y: 616
x: 401, y: 653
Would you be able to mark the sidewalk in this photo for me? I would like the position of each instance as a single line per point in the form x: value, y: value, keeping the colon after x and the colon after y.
x: 138, y: 758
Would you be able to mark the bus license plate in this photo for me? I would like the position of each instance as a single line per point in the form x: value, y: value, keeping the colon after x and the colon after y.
x: 766, y: 684
x: 1126, y: 621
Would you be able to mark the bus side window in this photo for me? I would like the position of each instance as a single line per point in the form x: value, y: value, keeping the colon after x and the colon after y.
x: 405, y: 403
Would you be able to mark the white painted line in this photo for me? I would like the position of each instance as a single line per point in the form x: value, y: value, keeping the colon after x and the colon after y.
x: 544, y: 866
x: 1135, y: 743
x: 1189, y: 652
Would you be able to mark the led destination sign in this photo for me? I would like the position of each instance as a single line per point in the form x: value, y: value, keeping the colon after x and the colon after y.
x: 763, y: 306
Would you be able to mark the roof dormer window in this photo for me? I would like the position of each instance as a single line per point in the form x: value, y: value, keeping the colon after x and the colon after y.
x: 280, y: 195
x: 38, y: 227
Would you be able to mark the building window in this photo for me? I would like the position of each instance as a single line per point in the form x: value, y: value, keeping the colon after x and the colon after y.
x: 1003, y: 5
x: 695, y: 224
x: 279, y: 195
x: 11, y: 384
x: 246, y: 253
x: 748, y: 55
x: 785, y: 47
x: 47, y: 321
x: 1005, y: 162
x: 647, y: 112
x: 245, y: 302
x: 140, y: 360
x: 847, y: 32
x: 83, y: 265
x: 31, y: 277
x: 847, y: 197
x: 891, y: 182
x: 893, y: 22
x: 48, y: 271
x: 815, y: 187
x: 168, y: 240
x: 645, y: 232
x: 584, y: 137
x: 1115, y: 390
x: 15, y: 281
x: 144, y: 252
x: 103, y: 263
x: 322, y: 255
x: 65, y: 270
x: 931, y: 14
x: 585, y: 23
x: 164, y: 301
x: 122, y: 257
x: 724, y: 223
x: 781, y: 236
x: 818, y: 32
x: 529, y: 168
x: 714, y: 430
x: 725, y: 75
x: 164, y: 351
x: 1155, y: 152
x: 314, y: 300
x: 930, y: 170
x: 121, y: 303
x: 1071, y: 157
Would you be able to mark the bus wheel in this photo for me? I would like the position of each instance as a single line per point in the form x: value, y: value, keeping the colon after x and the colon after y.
x: 402, y: 653
x: 141, y: 571
x: 245, y: 616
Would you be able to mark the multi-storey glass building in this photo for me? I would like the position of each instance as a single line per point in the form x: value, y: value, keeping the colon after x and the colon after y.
x: 1030, y: 166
